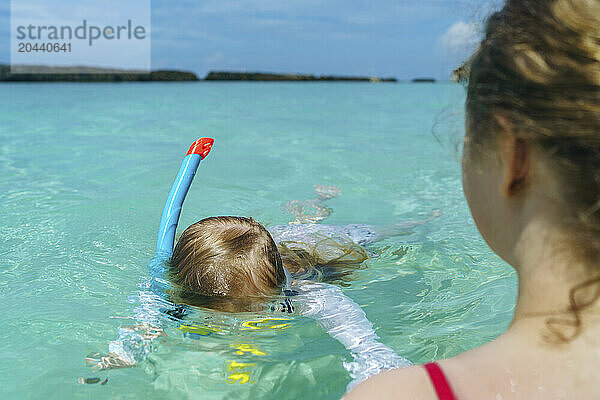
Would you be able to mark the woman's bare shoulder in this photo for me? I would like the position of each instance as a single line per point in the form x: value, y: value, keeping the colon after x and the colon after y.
x: 409, y: 383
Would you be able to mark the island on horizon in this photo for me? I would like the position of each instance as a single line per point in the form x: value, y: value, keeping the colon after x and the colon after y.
x: 266, y: 76
x: 423, y: 80
x: 36, y: 73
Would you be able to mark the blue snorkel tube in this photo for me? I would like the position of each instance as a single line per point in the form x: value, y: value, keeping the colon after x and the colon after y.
x: 170, y: 215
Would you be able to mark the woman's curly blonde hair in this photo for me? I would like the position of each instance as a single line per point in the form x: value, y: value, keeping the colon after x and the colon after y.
x: 539, y: 66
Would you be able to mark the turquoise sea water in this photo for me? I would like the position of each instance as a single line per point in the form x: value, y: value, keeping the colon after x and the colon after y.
x: 84, y: 173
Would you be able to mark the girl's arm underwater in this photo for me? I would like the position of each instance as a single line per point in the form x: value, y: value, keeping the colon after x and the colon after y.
x: 346, y: 322
x: 131, y: 348
x: 135, y: 341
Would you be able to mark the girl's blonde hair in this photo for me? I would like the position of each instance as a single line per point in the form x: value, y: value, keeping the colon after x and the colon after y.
x: 327, y: 260
x: 227, y: 262
x: 539, y: 66
x: 225, y: 258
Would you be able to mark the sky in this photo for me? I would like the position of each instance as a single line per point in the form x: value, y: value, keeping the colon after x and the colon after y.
x: 386, y: 38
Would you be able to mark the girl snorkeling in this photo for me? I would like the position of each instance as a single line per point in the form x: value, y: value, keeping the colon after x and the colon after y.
x: 234, y: 264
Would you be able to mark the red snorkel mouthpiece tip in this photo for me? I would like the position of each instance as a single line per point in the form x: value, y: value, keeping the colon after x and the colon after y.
x: 201, y: 146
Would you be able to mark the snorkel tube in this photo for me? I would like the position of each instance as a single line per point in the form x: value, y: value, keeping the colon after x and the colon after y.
x: 170, y: 215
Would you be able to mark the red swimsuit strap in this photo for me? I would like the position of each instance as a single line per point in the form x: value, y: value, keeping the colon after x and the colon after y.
x: 440, y: 383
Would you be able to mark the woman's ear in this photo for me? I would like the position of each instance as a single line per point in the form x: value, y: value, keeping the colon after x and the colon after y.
x: 516, y: 158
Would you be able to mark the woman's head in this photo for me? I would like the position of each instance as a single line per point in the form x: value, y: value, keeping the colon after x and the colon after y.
x: 533, y: 131
x: 534, y: 92
x: 226, y: 257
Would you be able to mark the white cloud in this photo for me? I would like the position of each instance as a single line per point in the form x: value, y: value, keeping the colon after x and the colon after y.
x: 460, y: 39
x: 458, y: 43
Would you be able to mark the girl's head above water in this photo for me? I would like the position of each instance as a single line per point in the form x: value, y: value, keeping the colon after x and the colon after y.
x: 232, y: 257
